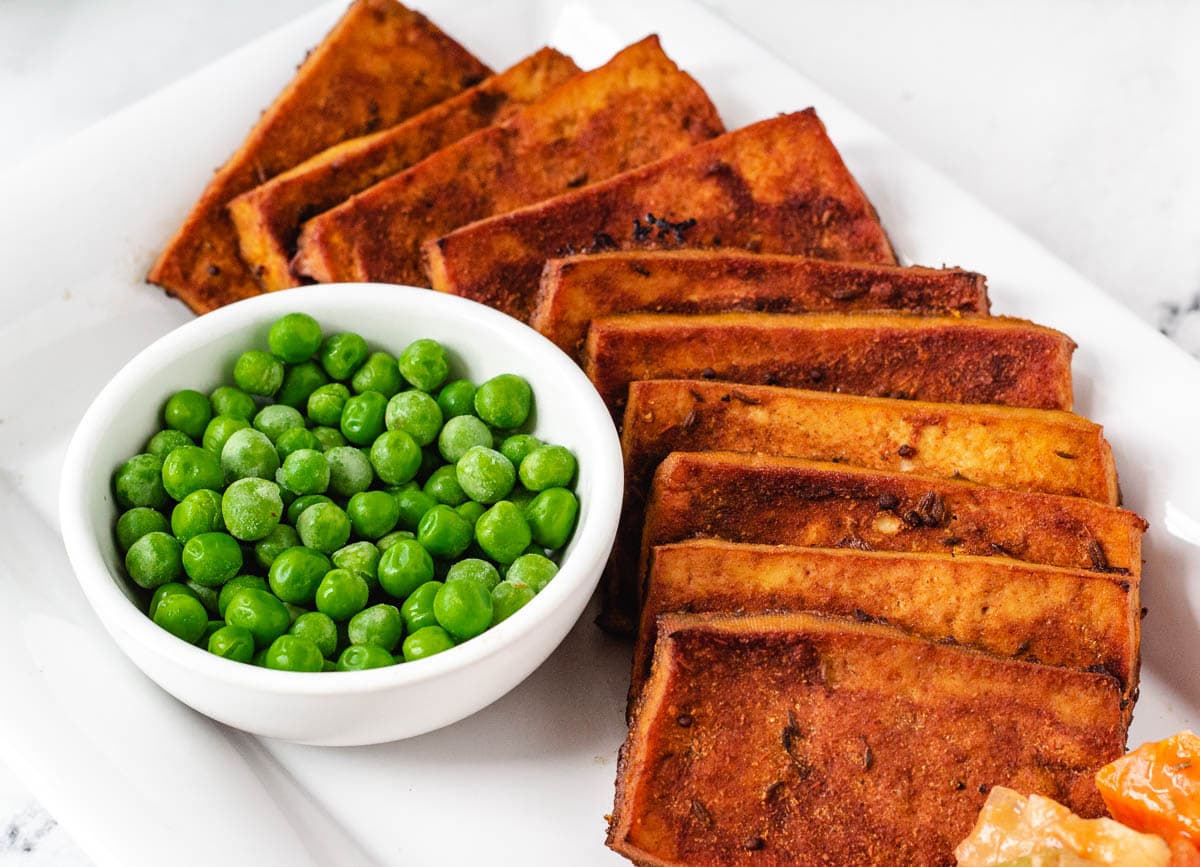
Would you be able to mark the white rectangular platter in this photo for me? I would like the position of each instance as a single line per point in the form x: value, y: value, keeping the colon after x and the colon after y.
x: 139, y: 779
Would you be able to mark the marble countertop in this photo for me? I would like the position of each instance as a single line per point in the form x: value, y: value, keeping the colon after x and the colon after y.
x: 1075, y: 120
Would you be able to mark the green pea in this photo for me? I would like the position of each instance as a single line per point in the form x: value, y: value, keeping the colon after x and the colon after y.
x: 326, y: 403
x: 548, y: 467
x: 395, y: 456
x: 502, y: 532
x: 296, y: 509
x: 342, y: 594
x: 380, y: 625
x: 166, y: 441
x: 509, y: 597
x: 207, y: 596
x: 295, y: 439
x: 188, y: 411
x: 319, y: 629
x: 276, y: 418
x: 532, y: 570
x: 305, y: 471
x: 251, y: 508
x: 164, y: 591
x: 404, y: 567
x: 415, y: 413
x: 182, y: 615
x: 211, y: 627
x: 328, y: 437
x: 444, y: 533
x: 362, y: 419
x: 248, y: 454
x: 342, y: 354
x: 485, y: 475
x: 232, y: 642
x: 460, y: 434
x: 474, y: 569
x: 373, y: 513
x: 412, y: 506
x: 294, y: 337
x: 504, y: 401
x: 324, y: 526
x: 471, y: 511
x: 154, y: 560
x: 198, y: 512
x: 299, y: 382
x: 463, y: 608
x: 551, y: 516
x: 212, y: 559
x: 417, y: 609
x: 139, y: 482
x: 424, y: 363
x: 392, y: 538
x: 219, y: 430
x: 296, y: 573
x: 233, y: 402
x: 350, y: 471
x: 233, y: 585
x: 258, y: 372
x: 457, y: 398
x: 260, y: 612
x: 521, y: 496
x: 292, y: 653
x: 359, y: 657
x: 190, y: 468
x: 426, y: 642
x: 137, y: 522
x: 442, y: 485
x: 378, y: 373
x: 361, y: 557
x: 518, y: 446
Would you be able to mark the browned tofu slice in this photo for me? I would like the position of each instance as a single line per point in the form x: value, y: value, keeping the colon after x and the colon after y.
x: 800, y: 740
x: 1066, y: 617
x: 636, y: 108
x: 575, y: 290
x: 777, y: 186
x: 941, y: 359
x: 380, y: 64
x: 1042, y: 450
x: 268, y: 217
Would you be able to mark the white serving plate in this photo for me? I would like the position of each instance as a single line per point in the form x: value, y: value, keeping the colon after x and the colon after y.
x: 139, y: 779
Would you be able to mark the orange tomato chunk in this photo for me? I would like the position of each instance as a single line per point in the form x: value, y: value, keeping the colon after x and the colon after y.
x: 1156, y: 788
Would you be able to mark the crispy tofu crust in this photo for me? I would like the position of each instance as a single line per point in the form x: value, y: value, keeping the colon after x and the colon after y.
x: 268, y: 217
x: 792, y: 739
x: 575, y: 290
x: 636, y: 108
x: 1065, y: 617
x: 942, y: 359
x: 380, y: 64
x: 777, y: 186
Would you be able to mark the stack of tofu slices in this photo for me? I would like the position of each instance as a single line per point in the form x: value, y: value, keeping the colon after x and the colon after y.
x: 872, y: 563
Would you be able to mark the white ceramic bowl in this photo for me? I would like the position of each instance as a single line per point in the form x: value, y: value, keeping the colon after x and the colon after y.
x: 343, y: 708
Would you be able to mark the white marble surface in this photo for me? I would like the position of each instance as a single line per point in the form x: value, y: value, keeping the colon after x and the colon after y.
x: 1076, y: 120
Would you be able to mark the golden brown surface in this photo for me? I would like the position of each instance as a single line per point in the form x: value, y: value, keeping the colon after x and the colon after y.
x: 268, y: 217
x: 575, y: 290
x: 1065, y: 617
x: 798, y: 740
x: 380, y: 64
x: 636, y: 108
x: 777, y: 186
x: 943, y: 359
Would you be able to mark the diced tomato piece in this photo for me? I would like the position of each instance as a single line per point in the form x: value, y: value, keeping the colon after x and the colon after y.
x: 1156, y: 788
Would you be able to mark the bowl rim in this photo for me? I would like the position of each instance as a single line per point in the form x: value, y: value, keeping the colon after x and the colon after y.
x: 596, y: 529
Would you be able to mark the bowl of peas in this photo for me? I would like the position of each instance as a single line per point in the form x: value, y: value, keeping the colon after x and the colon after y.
x: 343, y: 514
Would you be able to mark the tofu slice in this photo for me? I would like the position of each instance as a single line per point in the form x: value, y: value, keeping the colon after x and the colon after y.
x: 636, y: 108
x: 380, y: 64
x: 1065, y: 617
x: 945, y: 359
x: 577, y: 289
x: 268, y: 217
x: 776, y: 186
x: 801, y: 740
